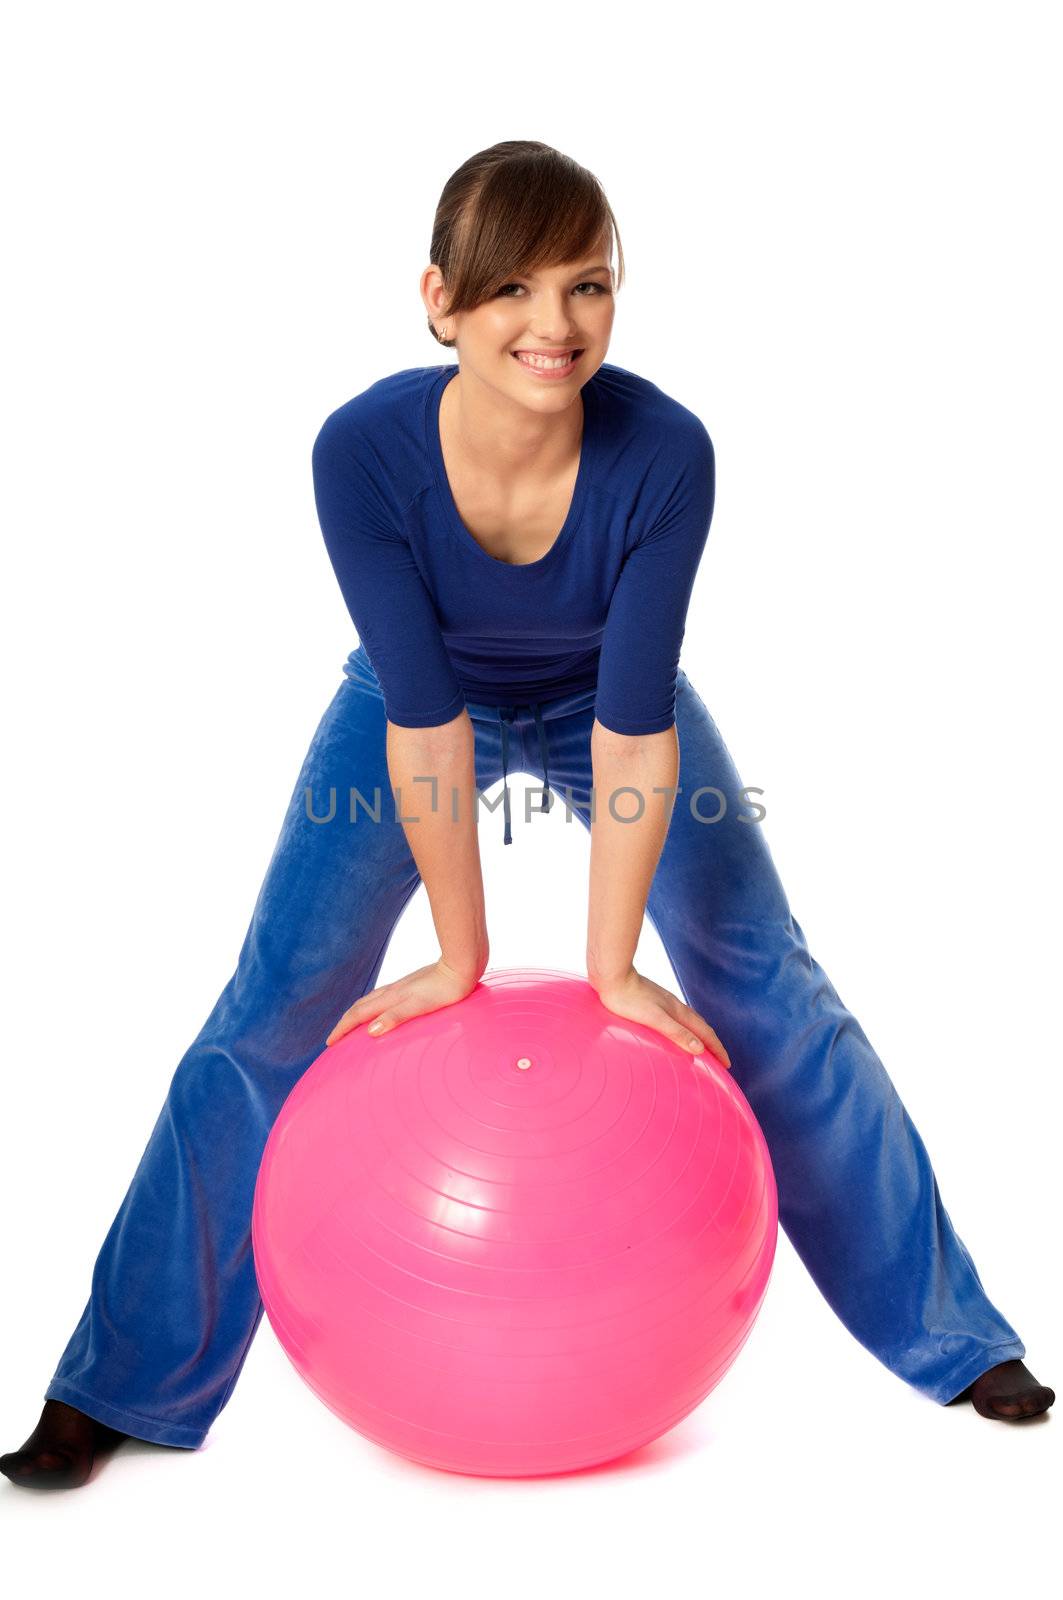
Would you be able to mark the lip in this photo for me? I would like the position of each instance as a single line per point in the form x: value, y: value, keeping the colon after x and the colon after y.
x: 547, y: 375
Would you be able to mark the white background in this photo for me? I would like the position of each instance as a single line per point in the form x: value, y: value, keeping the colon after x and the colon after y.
x: 840, y: 225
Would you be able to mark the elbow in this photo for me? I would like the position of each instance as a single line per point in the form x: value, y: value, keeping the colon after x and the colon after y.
x: 437, y: 741
x: 621, y: 745
x: 642, y: 759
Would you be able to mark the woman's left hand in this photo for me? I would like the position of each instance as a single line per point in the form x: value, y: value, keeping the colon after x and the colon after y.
x: 639, y: 999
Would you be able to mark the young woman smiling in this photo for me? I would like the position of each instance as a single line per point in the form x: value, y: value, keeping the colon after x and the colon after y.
x: 516, y: 536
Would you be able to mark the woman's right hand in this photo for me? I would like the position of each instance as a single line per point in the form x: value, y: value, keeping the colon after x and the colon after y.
x: 428, y: 989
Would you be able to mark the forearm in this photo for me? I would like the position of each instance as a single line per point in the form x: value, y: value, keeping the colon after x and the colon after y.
x: 624, y: 854
x: 433, y: 776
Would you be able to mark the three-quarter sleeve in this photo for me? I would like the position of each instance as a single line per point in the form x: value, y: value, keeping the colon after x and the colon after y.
x: 381, y: 583
x: 639, y: 660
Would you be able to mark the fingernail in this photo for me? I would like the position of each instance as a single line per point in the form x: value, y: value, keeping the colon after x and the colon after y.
x: 695, y: 1044
x: 375, y: 1027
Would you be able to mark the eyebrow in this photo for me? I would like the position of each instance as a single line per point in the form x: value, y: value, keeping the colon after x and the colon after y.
x: 579, y: 272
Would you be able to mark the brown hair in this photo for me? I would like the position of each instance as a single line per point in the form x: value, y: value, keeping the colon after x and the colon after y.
x: 510, y: 209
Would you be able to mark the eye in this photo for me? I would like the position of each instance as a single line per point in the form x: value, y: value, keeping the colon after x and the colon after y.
x: 589, y: 284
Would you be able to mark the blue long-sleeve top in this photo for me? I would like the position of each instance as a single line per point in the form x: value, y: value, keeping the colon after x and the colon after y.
x: 442, y: 621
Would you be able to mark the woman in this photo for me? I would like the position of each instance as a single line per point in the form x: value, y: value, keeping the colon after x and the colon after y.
x: 516, y: 537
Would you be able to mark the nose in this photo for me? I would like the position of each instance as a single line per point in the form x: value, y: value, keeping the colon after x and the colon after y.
x: 556, y: 316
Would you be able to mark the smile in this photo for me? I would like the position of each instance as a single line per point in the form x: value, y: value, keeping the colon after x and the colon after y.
x: 548, y: 366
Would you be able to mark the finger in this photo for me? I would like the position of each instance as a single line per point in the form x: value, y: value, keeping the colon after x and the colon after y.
x: 343, y: 1027
x: 355, y: 1015
x: 369, y: 1002
x: 388, y: 1020
x: 347, y: 1024
x: 714, y: 1043
x: 681, y: 1035
x: 685, y: 1015
x: 712, y: 1039
x: 402, y: 1013
x: 716, y: 1046
x: 681, y: 1022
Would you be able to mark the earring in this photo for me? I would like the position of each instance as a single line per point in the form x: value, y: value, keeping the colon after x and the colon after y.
x: 442, y: 333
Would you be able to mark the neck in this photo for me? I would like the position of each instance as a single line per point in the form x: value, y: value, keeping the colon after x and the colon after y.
x: 500, y: 436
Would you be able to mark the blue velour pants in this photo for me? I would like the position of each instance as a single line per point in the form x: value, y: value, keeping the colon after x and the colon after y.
x: 174, y: 1301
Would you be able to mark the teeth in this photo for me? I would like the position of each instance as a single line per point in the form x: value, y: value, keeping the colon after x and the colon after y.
x: 544, y: 361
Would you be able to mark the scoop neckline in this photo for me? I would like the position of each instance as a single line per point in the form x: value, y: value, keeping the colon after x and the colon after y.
x: 572, y: 521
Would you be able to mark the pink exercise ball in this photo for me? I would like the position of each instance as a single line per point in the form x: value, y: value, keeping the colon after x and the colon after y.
x: 516, y: 1236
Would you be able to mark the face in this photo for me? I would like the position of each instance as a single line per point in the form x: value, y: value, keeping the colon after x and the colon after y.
x: 521, y: 341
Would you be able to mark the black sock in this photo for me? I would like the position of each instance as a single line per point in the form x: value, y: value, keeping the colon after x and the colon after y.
x: 1008, y: 1391
x: 60, y: 1452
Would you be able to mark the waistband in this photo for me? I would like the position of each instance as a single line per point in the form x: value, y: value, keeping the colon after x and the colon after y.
x: 544, y: 711
x: 506, y: 715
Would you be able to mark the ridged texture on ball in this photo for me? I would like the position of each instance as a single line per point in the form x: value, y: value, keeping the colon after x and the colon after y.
x: 516, y: 1236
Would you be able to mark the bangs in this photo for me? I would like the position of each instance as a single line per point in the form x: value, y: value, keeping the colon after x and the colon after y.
x: 533, y: 208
